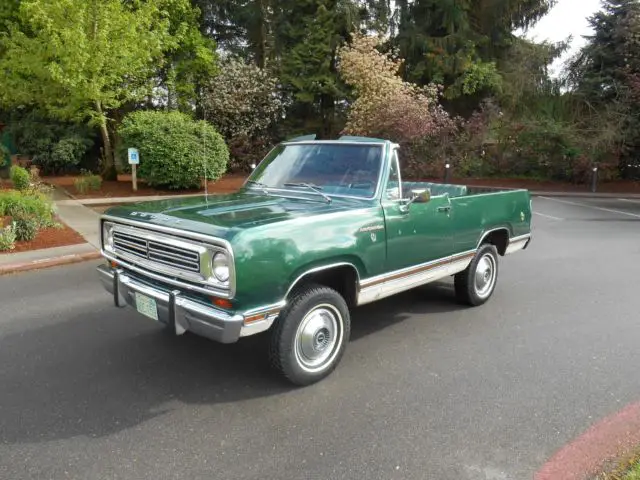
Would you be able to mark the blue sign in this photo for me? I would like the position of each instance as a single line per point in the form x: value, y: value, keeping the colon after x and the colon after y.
x: 134, y: 156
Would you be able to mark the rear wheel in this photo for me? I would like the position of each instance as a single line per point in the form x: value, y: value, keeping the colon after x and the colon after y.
x: 310, y: 335
x: 475, y: 285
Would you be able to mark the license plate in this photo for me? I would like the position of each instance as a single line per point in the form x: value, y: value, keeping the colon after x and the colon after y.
x: 147, y: 306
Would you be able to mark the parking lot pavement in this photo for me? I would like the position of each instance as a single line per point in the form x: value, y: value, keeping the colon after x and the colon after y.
x: 426, y: 390
x: 617, y: 207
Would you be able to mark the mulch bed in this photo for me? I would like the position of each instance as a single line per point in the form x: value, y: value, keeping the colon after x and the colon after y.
x: 48, y: 238
x: 122, y: 187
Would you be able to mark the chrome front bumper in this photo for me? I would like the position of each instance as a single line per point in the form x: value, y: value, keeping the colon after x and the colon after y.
x: 183, y: 314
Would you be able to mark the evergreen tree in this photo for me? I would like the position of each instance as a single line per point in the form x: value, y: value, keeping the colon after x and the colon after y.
x: 460, y: 43
x: 308, y: 35
x: 604, y: 74
x: 296, y: 40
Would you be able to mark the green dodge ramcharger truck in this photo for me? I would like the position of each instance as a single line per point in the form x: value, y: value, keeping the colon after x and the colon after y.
x: 319, y: 228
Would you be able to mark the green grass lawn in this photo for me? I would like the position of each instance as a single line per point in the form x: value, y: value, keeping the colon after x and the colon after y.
x: 634, y: 473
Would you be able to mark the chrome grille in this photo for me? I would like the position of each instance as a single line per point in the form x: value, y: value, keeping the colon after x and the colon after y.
x: 158, y: 252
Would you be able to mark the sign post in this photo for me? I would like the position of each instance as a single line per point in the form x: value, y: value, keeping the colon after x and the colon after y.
x: 134, y: 160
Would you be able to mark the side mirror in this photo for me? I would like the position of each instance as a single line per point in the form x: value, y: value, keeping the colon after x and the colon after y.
x: 420, y: 196
x: 417, y: 196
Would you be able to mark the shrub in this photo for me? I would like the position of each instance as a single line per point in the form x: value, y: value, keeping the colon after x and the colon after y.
x: 26, y: 226
x: 88, y: 183
x: 20, y: 178
x: 38, y: 205
x: 242, y: 100
x: 54, y: 145
x: 34, y: 172
x: 5, y: 156
x: 7, y: 238
x: 175, y: 151
x: 244, y: 151
x: 67, y: 153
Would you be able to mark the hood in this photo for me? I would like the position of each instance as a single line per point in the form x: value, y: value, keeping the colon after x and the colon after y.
x: 220, y: 215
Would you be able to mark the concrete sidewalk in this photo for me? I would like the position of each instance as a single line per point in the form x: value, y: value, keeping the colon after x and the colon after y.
x: 79, y: 217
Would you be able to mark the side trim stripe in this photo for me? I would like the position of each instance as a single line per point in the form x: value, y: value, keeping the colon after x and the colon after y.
x: 521, y: 238
x: 406, y: 272
x: 398, y: 280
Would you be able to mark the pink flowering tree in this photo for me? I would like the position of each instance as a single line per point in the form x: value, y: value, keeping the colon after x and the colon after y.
x: 387, y: 106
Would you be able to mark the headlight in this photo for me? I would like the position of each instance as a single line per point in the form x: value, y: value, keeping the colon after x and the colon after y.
x: 221, y: 267
x: 107, y: 236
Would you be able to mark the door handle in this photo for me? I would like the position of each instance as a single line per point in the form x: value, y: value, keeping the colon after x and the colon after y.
x: 444, y: 209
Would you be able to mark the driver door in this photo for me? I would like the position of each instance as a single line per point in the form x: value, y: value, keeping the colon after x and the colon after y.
x: 417, y: 233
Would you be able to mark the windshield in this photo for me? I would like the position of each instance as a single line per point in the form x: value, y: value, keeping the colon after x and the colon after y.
x: 334, y: 169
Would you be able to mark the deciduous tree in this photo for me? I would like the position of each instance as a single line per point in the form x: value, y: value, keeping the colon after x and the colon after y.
x: 385, y: 104
x: 82, y: 60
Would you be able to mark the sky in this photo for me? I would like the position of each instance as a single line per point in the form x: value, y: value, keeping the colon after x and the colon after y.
x: 568, y: 17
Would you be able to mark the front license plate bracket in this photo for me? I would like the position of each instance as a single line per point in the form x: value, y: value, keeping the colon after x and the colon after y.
x: 147, y: 306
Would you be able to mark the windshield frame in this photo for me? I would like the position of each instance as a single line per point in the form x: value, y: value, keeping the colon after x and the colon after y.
x: 384, y: 149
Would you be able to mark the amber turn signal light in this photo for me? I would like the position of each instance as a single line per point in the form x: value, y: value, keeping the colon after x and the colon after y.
x: 255, y: 318
x: 221, y: 302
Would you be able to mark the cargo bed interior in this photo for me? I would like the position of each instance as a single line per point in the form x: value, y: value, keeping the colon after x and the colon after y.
x: 451, y: 189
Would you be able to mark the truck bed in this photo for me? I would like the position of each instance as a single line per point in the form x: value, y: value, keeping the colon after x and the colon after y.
x: 476, y: 210
x: 454, y: 190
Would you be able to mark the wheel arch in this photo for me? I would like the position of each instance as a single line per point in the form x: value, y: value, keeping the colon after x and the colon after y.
x: 499, y: 237
x: 341, y: 275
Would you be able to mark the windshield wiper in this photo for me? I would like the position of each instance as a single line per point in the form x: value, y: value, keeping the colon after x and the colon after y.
x: 259, y: 185
x: 310, y: 186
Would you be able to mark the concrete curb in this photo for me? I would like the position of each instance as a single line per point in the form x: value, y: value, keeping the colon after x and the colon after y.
x: 147, y: 198
x: 611, y: 438
x: 134, y: 199
x: 48, y: 262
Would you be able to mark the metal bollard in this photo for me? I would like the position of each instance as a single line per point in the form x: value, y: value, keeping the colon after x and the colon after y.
x: 594, y: 180
x: 447, y: 171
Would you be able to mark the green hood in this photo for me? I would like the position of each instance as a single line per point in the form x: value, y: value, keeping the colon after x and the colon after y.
x: 224, y: 215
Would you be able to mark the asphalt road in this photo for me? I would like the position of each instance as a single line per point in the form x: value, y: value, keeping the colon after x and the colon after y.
x: 426, y: 390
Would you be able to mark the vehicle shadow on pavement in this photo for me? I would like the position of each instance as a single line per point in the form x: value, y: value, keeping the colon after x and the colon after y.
x: 437, y: 297
x: 108, y: 370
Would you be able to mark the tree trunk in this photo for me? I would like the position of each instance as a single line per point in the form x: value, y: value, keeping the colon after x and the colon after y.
x: 261, y: 32
x: 109, y: 166
x: 327, y: 109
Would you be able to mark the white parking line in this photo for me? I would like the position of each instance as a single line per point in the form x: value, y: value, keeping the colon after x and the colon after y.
x: 610, y: 210
x: 548, y: 216
x: 628, y: 200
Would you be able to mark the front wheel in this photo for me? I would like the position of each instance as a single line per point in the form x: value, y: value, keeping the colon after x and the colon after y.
x: 475, y: 285
x: 310, y: 335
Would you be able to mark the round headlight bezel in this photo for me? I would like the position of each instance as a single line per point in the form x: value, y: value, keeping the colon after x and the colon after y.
x: 220, y: 267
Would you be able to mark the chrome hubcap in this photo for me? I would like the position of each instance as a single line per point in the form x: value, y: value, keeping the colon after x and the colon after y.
x: 485, y: 275
x: 318, y: 337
